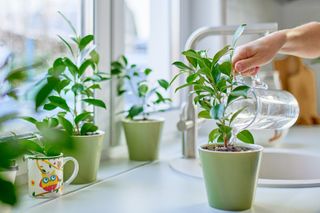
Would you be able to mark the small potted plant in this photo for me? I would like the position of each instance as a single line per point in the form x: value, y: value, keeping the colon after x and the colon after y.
x: 142, y: 132
x: 230, y: 167
x: 68, y: 91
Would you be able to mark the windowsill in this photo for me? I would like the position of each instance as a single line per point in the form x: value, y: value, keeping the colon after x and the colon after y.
x: 116, y: 165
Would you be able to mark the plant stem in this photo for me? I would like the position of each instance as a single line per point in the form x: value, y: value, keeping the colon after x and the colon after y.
x: 225, y: 141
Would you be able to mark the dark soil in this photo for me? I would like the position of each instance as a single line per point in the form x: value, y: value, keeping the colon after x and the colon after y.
x: 229, y: 148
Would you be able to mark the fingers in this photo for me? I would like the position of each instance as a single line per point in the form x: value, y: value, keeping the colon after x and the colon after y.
x: 246, y: 64
x: 251, y: 72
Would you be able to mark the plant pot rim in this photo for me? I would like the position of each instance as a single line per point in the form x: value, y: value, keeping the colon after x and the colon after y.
x: 151, y: 120
x: 253, y: 148
x: 100, y: 132
x: 37, y: 156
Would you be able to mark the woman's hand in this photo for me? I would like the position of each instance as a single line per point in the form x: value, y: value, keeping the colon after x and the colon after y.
x: 249, y: 57
x: 302, y: 41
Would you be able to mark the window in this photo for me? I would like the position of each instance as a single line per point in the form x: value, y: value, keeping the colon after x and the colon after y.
x: 28, y: 33
x: 148, y: 38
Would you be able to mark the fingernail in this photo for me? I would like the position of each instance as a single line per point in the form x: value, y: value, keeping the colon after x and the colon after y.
x: 239, y: 67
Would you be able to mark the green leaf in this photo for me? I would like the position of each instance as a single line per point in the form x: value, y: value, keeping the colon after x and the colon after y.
x: 67, y: 44
x: 147, y: 71
x: 69, y: 23
x: 8, y: 192
x: 83, y: 116
x: 222, y: 85
x: 231, y: 98
x: 95, y: 86
x: 214, y: 134
x: 49, y: 107
x: 183, y: 86
x: 53, y: 122
x: 58, y: 67
x: 142, y: 90
x: 176, y: 76
x: 67, y: 125
x: 163, y: 83
x: 226, y: 68
x: 220, y: 53
x: 234, y: 116
x: 85, y: 41
x: 84, y: 66
x: 192, y: 77
x: 245, y: 136
x: 45, y: 91
x: 134, y: 111
x: 124, y: 59
x: 191, y: 54
x: 77, y: 88
x: 29, y: 119
x: 192, y: 60
x: 181, y: 65
x: 217, y: 111
x: 204, y: 114
x: 94, y: 56
x: 216, y: 74
x: 95, y: 102
x: 237, y: 34
x: 59, y: 102
x: 61, y: 85
x: 240, y: 90
x: 88, y: 127
x: 71, y: 66
x: 32, y: 146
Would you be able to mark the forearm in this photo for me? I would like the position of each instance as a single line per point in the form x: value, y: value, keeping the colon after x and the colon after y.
x: 302, y: 41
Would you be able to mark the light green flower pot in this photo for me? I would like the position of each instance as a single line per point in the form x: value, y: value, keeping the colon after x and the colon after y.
x: 143, y: 138
x: 231, y: 177
x: 87, y: 151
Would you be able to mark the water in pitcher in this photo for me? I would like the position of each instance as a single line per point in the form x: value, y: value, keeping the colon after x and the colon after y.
x: 265, y: 109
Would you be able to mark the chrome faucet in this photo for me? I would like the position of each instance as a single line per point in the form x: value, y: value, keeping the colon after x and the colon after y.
x: 189, y: 121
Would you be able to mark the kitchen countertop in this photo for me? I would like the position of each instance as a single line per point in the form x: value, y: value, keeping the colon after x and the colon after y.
x: 140, y: 187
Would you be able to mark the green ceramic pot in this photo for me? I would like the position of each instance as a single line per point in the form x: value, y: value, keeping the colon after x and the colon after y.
x: 231, y: 177
x: 143, y: 138
x: 87, y: 151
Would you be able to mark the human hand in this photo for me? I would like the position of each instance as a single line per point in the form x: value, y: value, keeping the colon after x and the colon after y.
x: 249, y: 57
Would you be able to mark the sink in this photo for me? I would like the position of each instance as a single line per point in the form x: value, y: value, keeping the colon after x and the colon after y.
x: 279, y: 168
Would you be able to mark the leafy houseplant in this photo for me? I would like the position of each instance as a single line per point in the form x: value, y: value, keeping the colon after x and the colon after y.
x: 142, y: 133
x: 12, y: 147
x: 76, y: 78
x: 215, y: 87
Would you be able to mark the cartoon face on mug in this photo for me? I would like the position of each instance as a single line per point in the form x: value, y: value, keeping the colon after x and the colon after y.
x: 46, y: 177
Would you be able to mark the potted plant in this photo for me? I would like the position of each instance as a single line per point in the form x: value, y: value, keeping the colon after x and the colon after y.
x: 10, y: 148
x: 68, y: 91
x: 230, y: 167
x: 142, y: 132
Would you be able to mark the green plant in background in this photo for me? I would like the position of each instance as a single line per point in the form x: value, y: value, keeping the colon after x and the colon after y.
x: 215, y: 88
x: 139, y: 87
x: 76, y: 76
x: 13, y: 147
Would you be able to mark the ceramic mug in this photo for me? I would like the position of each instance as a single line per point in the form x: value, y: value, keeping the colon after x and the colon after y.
x: 45, y: 175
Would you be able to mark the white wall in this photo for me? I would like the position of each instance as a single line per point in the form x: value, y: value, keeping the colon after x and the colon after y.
x: 299, y: 12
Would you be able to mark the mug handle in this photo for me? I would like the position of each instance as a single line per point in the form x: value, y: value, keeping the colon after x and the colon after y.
x: 75, y: 171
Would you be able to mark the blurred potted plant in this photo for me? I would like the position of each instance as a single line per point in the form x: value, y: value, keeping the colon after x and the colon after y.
x: 77, y: 77
x: 230, y: 168
x: 142, y: 132
x: 10, y: 147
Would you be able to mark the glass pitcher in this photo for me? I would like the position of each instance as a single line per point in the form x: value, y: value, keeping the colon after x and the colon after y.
x: 265, y: 108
